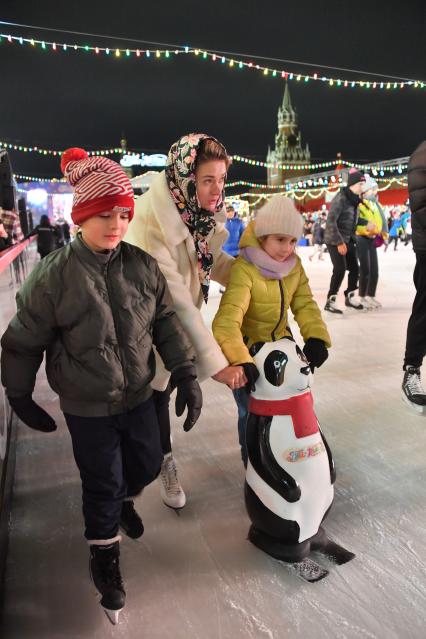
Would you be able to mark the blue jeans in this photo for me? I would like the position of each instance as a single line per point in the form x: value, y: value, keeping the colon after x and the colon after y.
x: 241, y: 398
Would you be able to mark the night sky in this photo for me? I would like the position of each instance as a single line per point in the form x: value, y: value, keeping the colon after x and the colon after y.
x: 77, y: 99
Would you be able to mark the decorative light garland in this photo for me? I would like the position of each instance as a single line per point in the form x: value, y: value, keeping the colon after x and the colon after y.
x: 155, y: 54
x: 305, y: 184
x: 300, y: 193
x: 26, y: 148
x: 377, y: 167
x: 31, y: 178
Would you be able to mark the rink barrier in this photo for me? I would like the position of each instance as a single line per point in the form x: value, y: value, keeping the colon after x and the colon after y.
x: 13, y: 270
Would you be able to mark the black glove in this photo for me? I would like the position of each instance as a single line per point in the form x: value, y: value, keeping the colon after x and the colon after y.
x: 316, y: 352
x: 188, y: 395
x: 251, y: 372
x: 32, y: 414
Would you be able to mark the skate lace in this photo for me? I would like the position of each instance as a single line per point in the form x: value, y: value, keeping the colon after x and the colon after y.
x: 170, y: 479
x: 414, y: 384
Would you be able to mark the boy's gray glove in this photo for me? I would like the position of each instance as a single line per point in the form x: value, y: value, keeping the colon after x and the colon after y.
x: 188, y: 395
x: 32, y: 414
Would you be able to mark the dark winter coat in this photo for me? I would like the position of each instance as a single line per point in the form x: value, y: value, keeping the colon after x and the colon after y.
x: 235, y: 228
x: 417, y: 193
x: 97, y: 321
x: 318, y: 231
x: 342, y: 218
x: 47, y: 238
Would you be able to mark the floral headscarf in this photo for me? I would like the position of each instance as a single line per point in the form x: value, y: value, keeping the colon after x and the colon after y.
x: 180, y: 175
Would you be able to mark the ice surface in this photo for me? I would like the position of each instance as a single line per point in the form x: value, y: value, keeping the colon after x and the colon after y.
x: 196, y: 576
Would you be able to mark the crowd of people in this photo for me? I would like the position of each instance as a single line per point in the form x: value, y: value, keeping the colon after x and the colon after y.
x: 121, y: 326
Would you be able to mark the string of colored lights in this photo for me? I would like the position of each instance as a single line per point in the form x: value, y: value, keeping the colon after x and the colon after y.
x: 300, y: 194
x: 377, y: 166
x: 400, y: 167
x: 26, y: 148
x: 233, y: 62
x: 309, y: 183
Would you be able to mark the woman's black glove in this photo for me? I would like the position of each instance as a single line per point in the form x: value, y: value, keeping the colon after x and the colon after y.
x: 316, y: 352
x: 188, y: 395
x: 251, y: 372
x: 32, y: 414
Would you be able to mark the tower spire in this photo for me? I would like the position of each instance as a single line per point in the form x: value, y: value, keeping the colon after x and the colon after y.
x: 286, y: 99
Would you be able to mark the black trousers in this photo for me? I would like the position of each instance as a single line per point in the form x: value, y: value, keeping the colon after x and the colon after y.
x: 368, y: 266
x: 415, y: 348
x: 341, y: 264
x: 162, y: 401
x: 117, y: 456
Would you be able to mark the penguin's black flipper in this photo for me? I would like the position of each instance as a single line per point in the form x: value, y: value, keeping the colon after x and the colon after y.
x: 335, y: 553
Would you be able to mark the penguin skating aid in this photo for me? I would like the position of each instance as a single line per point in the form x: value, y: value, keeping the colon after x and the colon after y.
x: 290, y: 470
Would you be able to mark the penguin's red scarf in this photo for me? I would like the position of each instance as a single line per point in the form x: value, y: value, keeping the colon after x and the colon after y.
x: 300, y: 408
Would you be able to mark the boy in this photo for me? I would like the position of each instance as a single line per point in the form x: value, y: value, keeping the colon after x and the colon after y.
x: 96, y: 307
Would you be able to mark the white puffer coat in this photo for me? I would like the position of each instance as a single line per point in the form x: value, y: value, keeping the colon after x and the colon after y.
x: 158, y: 229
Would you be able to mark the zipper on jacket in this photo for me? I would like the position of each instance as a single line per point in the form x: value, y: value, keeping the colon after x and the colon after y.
x: 274, y: 339
x: 117, y: 334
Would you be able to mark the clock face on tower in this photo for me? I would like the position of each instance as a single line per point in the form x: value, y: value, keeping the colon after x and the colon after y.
x: 292, y: 140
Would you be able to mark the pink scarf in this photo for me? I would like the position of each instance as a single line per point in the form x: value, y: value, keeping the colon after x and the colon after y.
x: 269, y: 267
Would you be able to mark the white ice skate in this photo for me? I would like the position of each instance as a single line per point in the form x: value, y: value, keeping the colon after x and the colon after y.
x: 171, y: 491
x: 373, y: 302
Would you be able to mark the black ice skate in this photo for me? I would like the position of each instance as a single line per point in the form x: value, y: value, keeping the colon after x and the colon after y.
x: 105, y: 573
x: 412, y: 390
x: 331, y: 306
x: 353, y: 302
x: 130, y: 522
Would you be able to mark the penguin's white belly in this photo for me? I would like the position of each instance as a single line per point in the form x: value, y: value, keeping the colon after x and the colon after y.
x: 306, y: 460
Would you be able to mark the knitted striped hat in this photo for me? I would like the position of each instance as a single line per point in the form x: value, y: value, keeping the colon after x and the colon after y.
x: 99, y: 185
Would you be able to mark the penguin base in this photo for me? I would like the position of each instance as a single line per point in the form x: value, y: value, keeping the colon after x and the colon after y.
x: 286, y: 552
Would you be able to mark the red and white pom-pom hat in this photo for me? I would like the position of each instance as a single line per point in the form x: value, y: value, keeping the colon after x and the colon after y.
x: 99, y: 185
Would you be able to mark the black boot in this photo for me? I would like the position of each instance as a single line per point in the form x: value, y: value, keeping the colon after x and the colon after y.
x: 130, y: 522
x: 105, y: 573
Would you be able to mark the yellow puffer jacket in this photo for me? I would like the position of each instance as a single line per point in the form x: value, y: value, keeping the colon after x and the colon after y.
x: 255, y: 308
x: 369, y: 211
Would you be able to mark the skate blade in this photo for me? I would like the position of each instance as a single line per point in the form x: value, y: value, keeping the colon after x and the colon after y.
x: 113, y: 615
x: 420, y: 410
x: 177, y: 509
x: 309, y: 570
x: 337, y: 554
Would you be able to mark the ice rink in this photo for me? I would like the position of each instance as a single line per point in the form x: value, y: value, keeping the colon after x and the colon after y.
x: 195, y: 576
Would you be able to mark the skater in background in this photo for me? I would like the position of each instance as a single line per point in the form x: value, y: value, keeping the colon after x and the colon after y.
x: 340, y: 240
x: 5, y: 240
x: 368, y: 230
x: 318, y: 231
x: 96, y: 308
x: 235, y: 227
x: 415, y: 348
x: 47, y: 236
x: 394, y: 231
x: 12, y: 225
x: 267, y: 280
x: 408, y: 231
x: 180, y: 222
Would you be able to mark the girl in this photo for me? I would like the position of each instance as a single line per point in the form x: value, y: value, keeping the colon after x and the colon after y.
x: 369, y: 229
x: 267, y: 279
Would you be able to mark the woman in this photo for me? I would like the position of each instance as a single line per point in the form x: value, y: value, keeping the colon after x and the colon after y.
x: 370, y: 228
x: 180, y: 222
